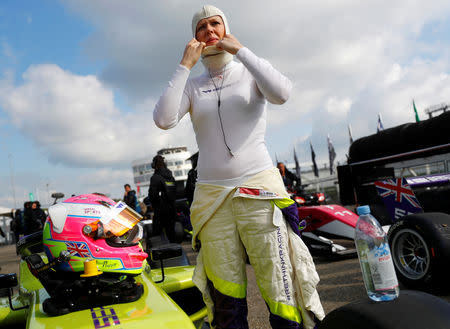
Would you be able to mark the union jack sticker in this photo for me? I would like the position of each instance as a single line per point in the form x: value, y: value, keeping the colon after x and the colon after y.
x: 78, y: 249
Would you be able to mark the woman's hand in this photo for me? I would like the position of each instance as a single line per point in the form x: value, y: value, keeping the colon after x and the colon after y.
x: 192, y: 53
x: 230, y: 44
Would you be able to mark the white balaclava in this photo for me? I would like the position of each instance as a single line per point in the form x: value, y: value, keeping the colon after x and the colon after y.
x: 212, y: 57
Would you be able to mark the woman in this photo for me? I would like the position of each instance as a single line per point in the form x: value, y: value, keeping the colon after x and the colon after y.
x: 239, y: 196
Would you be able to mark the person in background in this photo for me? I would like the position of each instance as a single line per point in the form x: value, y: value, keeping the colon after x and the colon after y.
x: 26, y: 216
x: 33, y: 217
x: 162, y: 196
x: 290, y: 180
x: 129, y: 197
x: 38, y: 212
x: 17, y: 224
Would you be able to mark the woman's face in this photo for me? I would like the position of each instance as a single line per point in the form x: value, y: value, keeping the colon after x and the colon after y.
x: 210, y: 30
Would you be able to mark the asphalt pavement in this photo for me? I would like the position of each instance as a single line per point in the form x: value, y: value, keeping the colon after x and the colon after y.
x: 340, y: 283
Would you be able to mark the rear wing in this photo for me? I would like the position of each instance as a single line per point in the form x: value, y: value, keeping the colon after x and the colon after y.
x: 430, y: 180
x: 355, y: 177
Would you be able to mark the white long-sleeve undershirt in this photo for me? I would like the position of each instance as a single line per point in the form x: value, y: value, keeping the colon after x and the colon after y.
x: 244, y: 89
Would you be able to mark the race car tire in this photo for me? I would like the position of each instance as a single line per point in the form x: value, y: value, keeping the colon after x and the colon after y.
x: 412, y: 310
x: 420, y: 248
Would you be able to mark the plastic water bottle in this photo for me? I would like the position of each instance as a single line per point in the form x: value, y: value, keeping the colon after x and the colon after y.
x: 375, y: 257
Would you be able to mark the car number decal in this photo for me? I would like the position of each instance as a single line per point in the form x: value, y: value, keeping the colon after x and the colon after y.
x: 104, y: 317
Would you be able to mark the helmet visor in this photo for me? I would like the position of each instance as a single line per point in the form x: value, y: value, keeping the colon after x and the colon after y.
x: 120, y: 219
x: 131, y: 238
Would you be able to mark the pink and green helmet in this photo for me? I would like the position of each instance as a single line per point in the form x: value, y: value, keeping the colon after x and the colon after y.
x: 69, y: 225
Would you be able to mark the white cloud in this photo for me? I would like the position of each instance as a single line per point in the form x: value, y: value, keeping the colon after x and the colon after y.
x: 349, y: 60
x: 332, y: 49
x: 394, y: 75
x: 338, y: 108
x: 107, y: 181
x: 8, y: 51
x: 74, y: 119
x: 82, y: 181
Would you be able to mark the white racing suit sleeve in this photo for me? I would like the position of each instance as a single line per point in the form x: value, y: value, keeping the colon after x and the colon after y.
x: 174, y: 103
x: 273, y: 85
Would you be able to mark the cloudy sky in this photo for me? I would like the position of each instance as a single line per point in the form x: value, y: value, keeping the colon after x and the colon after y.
x: 79, y: 80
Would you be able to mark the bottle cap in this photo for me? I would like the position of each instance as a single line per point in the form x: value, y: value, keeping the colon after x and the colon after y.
x: 363, y: 210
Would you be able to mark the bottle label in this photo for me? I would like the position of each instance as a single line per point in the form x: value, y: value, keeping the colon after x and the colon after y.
x: 382, y: 268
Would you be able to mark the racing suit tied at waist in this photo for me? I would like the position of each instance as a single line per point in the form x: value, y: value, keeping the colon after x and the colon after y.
x: 266, y: 185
